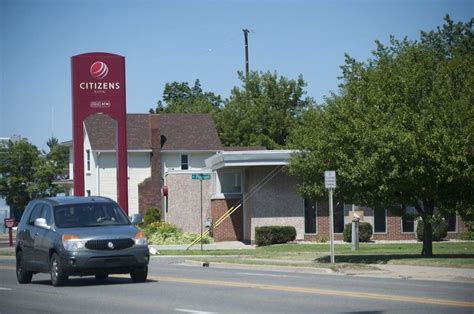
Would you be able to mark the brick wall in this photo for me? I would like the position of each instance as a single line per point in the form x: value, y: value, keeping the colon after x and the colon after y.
x: 231, y: 229
x: 277, y: 203
x: 184, y: 201
x: 149, y: 191
x: 394, y: 227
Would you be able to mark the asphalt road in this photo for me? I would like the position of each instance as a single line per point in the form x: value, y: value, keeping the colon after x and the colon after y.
x: 178, y: 287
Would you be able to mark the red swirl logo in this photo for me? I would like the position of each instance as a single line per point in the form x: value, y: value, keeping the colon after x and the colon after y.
x: 99, y: 70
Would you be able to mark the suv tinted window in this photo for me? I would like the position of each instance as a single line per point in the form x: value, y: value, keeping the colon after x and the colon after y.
x: 89, y: 215
x: 35, y: 213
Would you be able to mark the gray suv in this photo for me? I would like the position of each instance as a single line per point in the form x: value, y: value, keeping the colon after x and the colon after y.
x: 79, y: 236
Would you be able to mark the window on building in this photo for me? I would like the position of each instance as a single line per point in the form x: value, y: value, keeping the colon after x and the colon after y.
x: 184, y: 162
x: 88, y: 160
x: 408, y: 220
x: 338, y: 217
x: 380, y: 220
x: 309, y: 216
x: 231, y: 182
x: 452, y: 222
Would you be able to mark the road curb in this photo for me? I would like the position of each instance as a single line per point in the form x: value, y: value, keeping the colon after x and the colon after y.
x: 261, y: 267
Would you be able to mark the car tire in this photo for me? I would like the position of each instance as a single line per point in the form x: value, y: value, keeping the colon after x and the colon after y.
x: 102, y: 276
x: 139, y: 274
x: 58, y: 278
x: 22, y: 275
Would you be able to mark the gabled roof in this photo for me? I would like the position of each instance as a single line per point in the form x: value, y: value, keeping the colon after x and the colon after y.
x: 178, y: 132
x: 188, y: 132
x: 101, y: 131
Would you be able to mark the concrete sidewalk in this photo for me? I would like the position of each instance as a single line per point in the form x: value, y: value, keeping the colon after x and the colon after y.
x: 413, y: 272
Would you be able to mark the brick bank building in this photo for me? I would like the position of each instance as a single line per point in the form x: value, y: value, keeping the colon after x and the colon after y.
x: 165, y: 150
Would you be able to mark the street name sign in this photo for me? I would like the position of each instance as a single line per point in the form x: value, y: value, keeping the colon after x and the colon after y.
x: 200, y: 176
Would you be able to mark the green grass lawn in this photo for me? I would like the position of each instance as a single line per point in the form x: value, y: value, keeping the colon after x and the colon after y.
x: 448, y: 254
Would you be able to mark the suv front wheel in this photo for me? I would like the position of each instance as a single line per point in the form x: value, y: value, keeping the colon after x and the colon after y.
x: 58, y: 278
x: 139, y: 274
x: 22, y: 275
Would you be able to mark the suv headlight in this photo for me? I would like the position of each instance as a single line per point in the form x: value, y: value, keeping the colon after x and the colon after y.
x: 72, y: 242
x: 140, y: 238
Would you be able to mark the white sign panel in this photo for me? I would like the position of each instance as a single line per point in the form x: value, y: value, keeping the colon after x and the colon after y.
x: 330, y: 179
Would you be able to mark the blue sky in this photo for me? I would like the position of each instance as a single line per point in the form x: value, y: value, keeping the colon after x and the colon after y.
x: 165, y: 41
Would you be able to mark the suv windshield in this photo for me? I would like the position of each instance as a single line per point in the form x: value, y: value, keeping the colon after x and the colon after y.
x: 89, y: 215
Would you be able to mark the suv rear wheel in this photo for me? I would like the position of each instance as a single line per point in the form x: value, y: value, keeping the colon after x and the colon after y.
x: 58, y: 278
x: 22, y: 275
x: 139, y: 274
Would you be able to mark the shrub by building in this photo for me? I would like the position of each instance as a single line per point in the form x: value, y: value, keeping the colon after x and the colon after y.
x: 365, y: 232
x: 269, y: 235
x: 439, y: 229
x: 152, y: 214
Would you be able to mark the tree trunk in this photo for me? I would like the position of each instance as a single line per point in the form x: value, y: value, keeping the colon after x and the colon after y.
x: 427, y: 250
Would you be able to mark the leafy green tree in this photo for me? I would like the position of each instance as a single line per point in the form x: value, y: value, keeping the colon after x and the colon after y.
x: 58, y: 155
x: 263, y: 111
x: 401, y: 130
x: 25, y: 173
x: 181, y: 98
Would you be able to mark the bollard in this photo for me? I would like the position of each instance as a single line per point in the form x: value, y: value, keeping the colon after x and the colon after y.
x: 355, y: 233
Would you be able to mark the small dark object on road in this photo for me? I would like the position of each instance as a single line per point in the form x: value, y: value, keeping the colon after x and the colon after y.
x: 205, y: 264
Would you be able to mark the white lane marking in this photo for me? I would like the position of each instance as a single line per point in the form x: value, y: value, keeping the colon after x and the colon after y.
x: 7, y: 289
x: 193, y: 311
x: 264, y: 275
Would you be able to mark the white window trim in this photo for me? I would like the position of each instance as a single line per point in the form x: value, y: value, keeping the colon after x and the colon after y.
x: 219, y: 193
x: 343, y: 217
x: 408, y: 232
x: 316, y: 221
x: 456, y: 229
x: 386, y: 223
x: 181, y: 161
x: 88, y: 161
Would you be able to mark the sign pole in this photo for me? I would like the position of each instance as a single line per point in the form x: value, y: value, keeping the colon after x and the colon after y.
x: 200, y: 177
x: 330, y: 184
x: 331, y: 224
x: 200, y: 181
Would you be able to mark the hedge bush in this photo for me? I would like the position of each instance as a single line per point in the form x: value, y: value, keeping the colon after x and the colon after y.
x: 269, y: 235
x: 161, y: 232
x: 468, y: 235
x: 439, y: 229
x: 152, y: 214
x: 365, y: 232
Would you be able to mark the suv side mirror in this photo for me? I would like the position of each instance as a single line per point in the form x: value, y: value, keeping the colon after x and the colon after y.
x: 41, y: 223
x: 136, y: 219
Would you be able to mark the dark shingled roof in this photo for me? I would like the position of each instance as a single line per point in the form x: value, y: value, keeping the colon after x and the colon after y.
x: 178, y: 132
x: 101, y: 131
x: 189, y: 132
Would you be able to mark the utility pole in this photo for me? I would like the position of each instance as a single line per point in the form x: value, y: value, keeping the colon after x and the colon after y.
x: 246, y: 33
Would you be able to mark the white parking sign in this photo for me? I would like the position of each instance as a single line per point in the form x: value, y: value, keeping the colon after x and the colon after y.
x: 330, y: 179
